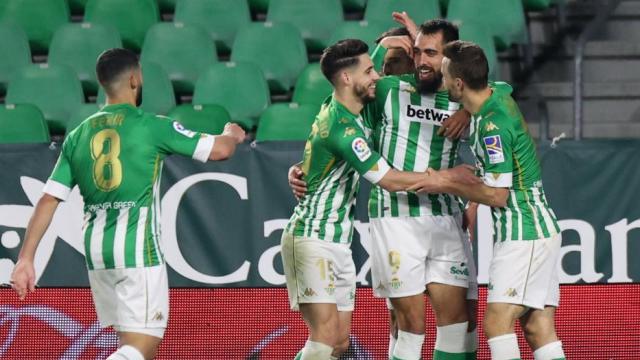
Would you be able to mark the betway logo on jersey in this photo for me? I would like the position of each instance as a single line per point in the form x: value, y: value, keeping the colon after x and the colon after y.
x: 427, y: 114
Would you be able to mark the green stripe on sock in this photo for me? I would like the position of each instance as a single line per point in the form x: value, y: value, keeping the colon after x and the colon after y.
x: 442, y: 355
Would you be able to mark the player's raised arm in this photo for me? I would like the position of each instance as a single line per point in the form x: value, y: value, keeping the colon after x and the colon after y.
x: 225, y: 144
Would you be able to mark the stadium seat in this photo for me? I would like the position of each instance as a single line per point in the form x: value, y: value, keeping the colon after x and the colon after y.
x: 312, y: 87
x: 54, y: 89
x: 131, y: 18
x: 167, y: 6
x: 259, y: 6
x: 81, y: 114
x: 315, y: 19
x: 15, y: 51
x: 183, y: 51
x: 278, y: 49
x: 157, y: 92
x: 536, y: 5
x: 240, y: 87
x: 77, y: 6
x: 79, y: 45
x: 220, y: 18
x: 367, y: 31
x: 209, y: 119
x: 504, y: 18
x: 478, y: 33
x: 22, y: 123
x: 286, y: 122
x: 419, y: 10
x: 39, y: 19
x: 353, y: 5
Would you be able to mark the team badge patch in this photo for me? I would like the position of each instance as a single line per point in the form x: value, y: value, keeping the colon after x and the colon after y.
x: 179, y: 128
x: 361, y: 149
x: 493, y: 144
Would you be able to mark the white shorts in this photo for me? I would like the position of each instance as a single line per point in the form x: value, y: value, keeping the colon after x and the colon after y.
x: 318, y: 272
x: 410, y: 252
x: 525, y: 272
x: 132, y: 300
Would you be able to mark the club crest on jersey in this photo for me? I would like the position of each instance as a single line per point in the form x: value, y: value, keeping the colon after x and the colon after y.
x: 179, y: 128
x: 361, y: 149
x: 493, y: 144
x: 349, y: 131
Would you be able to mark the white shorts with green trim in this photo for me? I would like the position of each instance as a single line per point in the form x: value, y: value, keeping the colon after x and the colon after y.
x: 318, y: 272
x: 525, y: 272
x: 133, y: 299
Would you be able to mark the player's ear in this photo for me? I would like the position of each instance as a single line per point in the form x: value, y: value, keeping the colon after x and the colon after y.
x: 345, y: 77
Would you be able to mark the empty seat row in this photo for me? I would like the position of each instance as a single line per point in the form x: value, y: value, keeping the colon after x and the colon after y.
x: 25, y: 123
x: 223, y: 19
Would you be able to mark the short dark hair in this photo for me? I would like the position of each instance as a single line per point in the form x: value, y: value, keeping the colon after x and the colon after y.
x: 113, y: 62
x: 341, y: 55
x: 449, y: 30
x: 468, y: 62
x: 395, y: 31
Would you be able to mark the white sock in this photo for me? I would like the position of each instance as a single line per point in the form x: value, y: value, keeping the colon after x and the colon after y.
x: 392, y: 345
x: 471, y: 341
x: 504, y: 347
x: 550, y: 351
x: 316, y: 351
x: 126, y: 352
x: 408, y: 346
x: 451, y: 338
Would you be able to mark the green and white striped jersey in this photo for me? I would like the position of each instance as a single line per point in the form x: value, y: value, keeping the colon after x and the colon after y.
x: 335, y: 156
x: 115, y: 157
x: 405, y: 132
x: 507, y: 158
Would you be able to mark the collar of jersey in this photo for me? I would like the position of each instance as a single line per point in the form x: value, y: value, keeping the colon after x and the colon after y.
x: 118, y: 106
x: 342, y: 109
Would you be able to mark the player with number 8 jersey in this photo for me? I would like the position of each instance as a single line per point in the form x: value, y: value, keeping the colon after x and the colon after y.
x: 115, y: 157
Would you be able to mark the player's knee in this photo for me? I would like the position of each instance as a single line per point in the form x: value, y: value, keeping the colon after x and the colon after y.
x: 411, y: 320
x: 341, y: 346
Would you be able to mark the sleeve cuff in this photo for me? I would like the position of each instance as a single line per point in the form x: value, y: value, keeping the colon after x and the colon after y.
x: 56, y: 189
x: 498, y: 180
x: 203, y: 149
x: 377, y: 171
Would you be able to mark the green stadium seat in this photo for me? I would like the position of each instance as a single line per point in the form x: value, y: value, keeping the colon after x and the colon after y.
x: 478, y: 33
x: 79, y: 45
x: 419, y: 10
x: 22, y: 123
x: 167, y: 6
x: 209, y: 119
x: 367, y: 31
x: 504, y: 18
x: 312, y: 87
x: 286, y: 122
x: 15, y: 51
x: 81, y: 114
x: 77, y: 6
x: 259, y: 6
x: 54, y: 89
x: 278, y: 49
x: 240, y: 87
x: 315, y: 19
x: 39, y: 19
x: 353, y: 5
x: 131, y: 18
x: 220, y: 18
x: 157, y: 92
x: 536, y: 5
x: 183, y: 51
